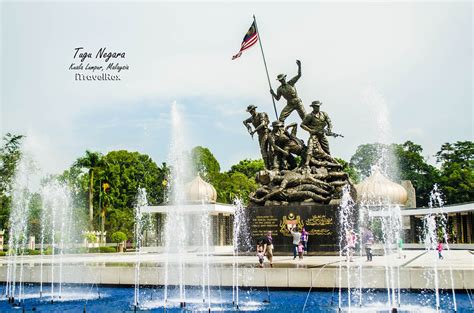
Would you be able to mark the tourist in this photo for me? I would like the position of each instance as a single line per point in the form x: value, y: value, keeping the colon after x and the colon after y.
x: 368, y: 241
x: 351, y: 239
x: 260, y: 251
x: 296, y: 240
x: 304, y: 240
x: 268, y: 247
x: 300, y: 250
x: 440, y: 250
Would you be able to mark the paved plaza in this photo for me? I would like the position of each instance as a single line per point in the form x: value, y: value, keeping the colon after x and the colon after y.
x: 413, y: 270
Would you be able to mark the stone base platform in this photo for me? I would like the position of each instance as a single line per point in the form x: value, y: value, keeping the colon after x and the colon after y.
x: 414, y: 270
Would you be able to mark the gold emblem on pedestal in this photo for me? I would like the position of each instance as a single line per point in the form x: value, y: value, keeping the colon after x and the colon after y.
x: 288, y: 222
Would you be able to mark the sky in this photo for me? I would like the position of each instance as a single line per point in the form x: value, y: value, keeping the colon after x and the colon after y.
x: 385, y: 72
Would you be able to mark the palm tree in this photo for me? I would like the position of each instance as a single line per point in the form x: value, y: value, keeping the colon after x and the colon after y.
x: 91, y: 161
x: 106, y: 199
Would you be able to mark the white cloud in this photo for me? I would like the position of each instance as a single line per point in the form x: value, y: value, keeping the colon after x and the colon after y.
x: 416, y: 54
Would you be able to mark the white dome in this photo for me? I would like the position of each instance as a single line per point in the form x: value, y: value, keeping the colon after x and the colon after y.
x: 198, y: 190
x: 379, y: 189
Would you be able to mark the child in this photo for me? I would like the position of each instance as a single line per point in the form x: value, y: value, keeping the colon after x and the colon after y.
x: 440, y: 249
x: 300, y: 250
x: 304, y: 239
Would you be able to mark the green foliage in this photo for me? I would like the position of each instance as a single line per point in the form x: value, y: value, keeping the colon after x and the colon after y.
x: 369, y: 155
x: 10, y: 155
x: 350, y: 170
x: 33, y: 252
x: 399, y: 162
x: 248, y: 167
x: 48, y: 251
x: 412, y: 166
x: 118, y: 237
x: 457, y: 171
x: 90, y: 237
x: 34, y: 218
x: 205, y: 164
x: 234, y: 185
x: 102, y: 250
x: 92, y: 161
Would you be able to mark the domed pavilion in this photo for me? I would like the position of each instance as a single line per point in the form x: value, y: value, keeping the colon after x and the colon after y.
x: 378, y: 190
x: 199, y: 196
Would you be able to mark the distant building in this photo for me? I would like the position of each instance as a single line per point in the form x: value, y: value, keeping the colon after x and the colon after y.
x: 377, y: 193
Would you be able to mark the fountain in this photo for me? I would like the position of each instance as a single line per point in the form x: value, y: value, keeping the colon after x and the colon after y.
x: 435, y: 234
x: 191, y: 273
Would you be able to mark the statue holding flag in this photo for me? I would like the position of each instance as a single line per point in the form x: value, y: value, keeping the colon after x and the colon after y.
x: 299, y: 173
x: 288, y: 91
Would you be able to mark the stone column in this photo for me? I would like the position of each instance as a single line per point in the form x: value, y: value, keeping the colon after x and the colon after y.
x: 221, y: 229
x: 31, y: 243
x: 469, y: 227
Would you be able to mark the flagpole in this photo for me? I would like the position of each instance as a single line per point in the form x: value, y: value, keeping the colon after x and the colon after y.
x: 265, y: 63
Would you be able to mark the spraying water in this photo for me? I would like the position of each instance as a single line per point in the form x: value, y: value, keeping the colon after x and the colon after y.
x: 346, y: 229
x: 56, y: 219
x: 434, y: 234
x: 141, y: 202
x: 175, y: 228
x: 19, y: 230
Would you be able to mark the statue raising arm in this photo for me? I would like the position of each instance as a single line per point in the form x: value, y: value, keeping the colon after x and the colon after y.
x: 293, y: 81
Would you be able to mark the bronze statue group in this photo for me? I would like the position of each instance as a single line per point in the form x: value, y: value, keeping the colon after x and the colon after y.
x: 295, y: 171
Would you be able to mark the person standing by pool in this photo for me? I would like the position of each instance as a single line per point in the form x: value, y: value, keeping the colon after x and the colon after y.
x: 350, y: 244
x: 304, y: 240
x: 268, y: 247
x: 440, y: 250
x: 296, y: 240
x: 368, y: 241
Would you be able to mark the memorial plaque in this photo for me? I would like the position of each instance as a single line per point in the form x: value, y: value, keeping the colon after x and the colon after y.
x: 320, y: 221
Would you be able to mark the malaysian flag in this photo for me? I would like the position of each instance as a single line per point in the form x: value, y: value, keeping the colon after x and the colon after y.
x: 250, y: 39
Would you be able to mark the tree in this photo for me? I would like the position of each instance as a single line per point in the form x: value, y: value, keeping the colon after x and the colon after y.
x: 205, y: 164
x: 412, y: 166
x: 399, y: 162
x: 350, y: 170
x: 10, y: 155
x: 457, y: 171
x: 118, y: 237
x: 374, y: 154
x: 230, y: 186
x: 125, y: 172
x: 91, y: 161
x: 248, y: 167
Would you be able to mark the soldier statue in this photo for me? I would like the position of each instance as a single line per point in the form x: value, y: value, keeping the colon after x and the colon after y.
x: 318, y: 124
x: 288, y: 91
x: 260, y: 123
x: 284, y: 145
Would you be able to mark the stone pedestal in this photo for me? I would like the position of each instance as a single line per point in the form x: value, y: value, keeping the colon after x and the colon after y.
x: 320, y: 221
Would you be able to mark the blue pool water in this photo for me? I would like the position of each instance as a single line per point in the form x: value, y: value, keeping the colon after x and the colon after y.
x: 119, y: 299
